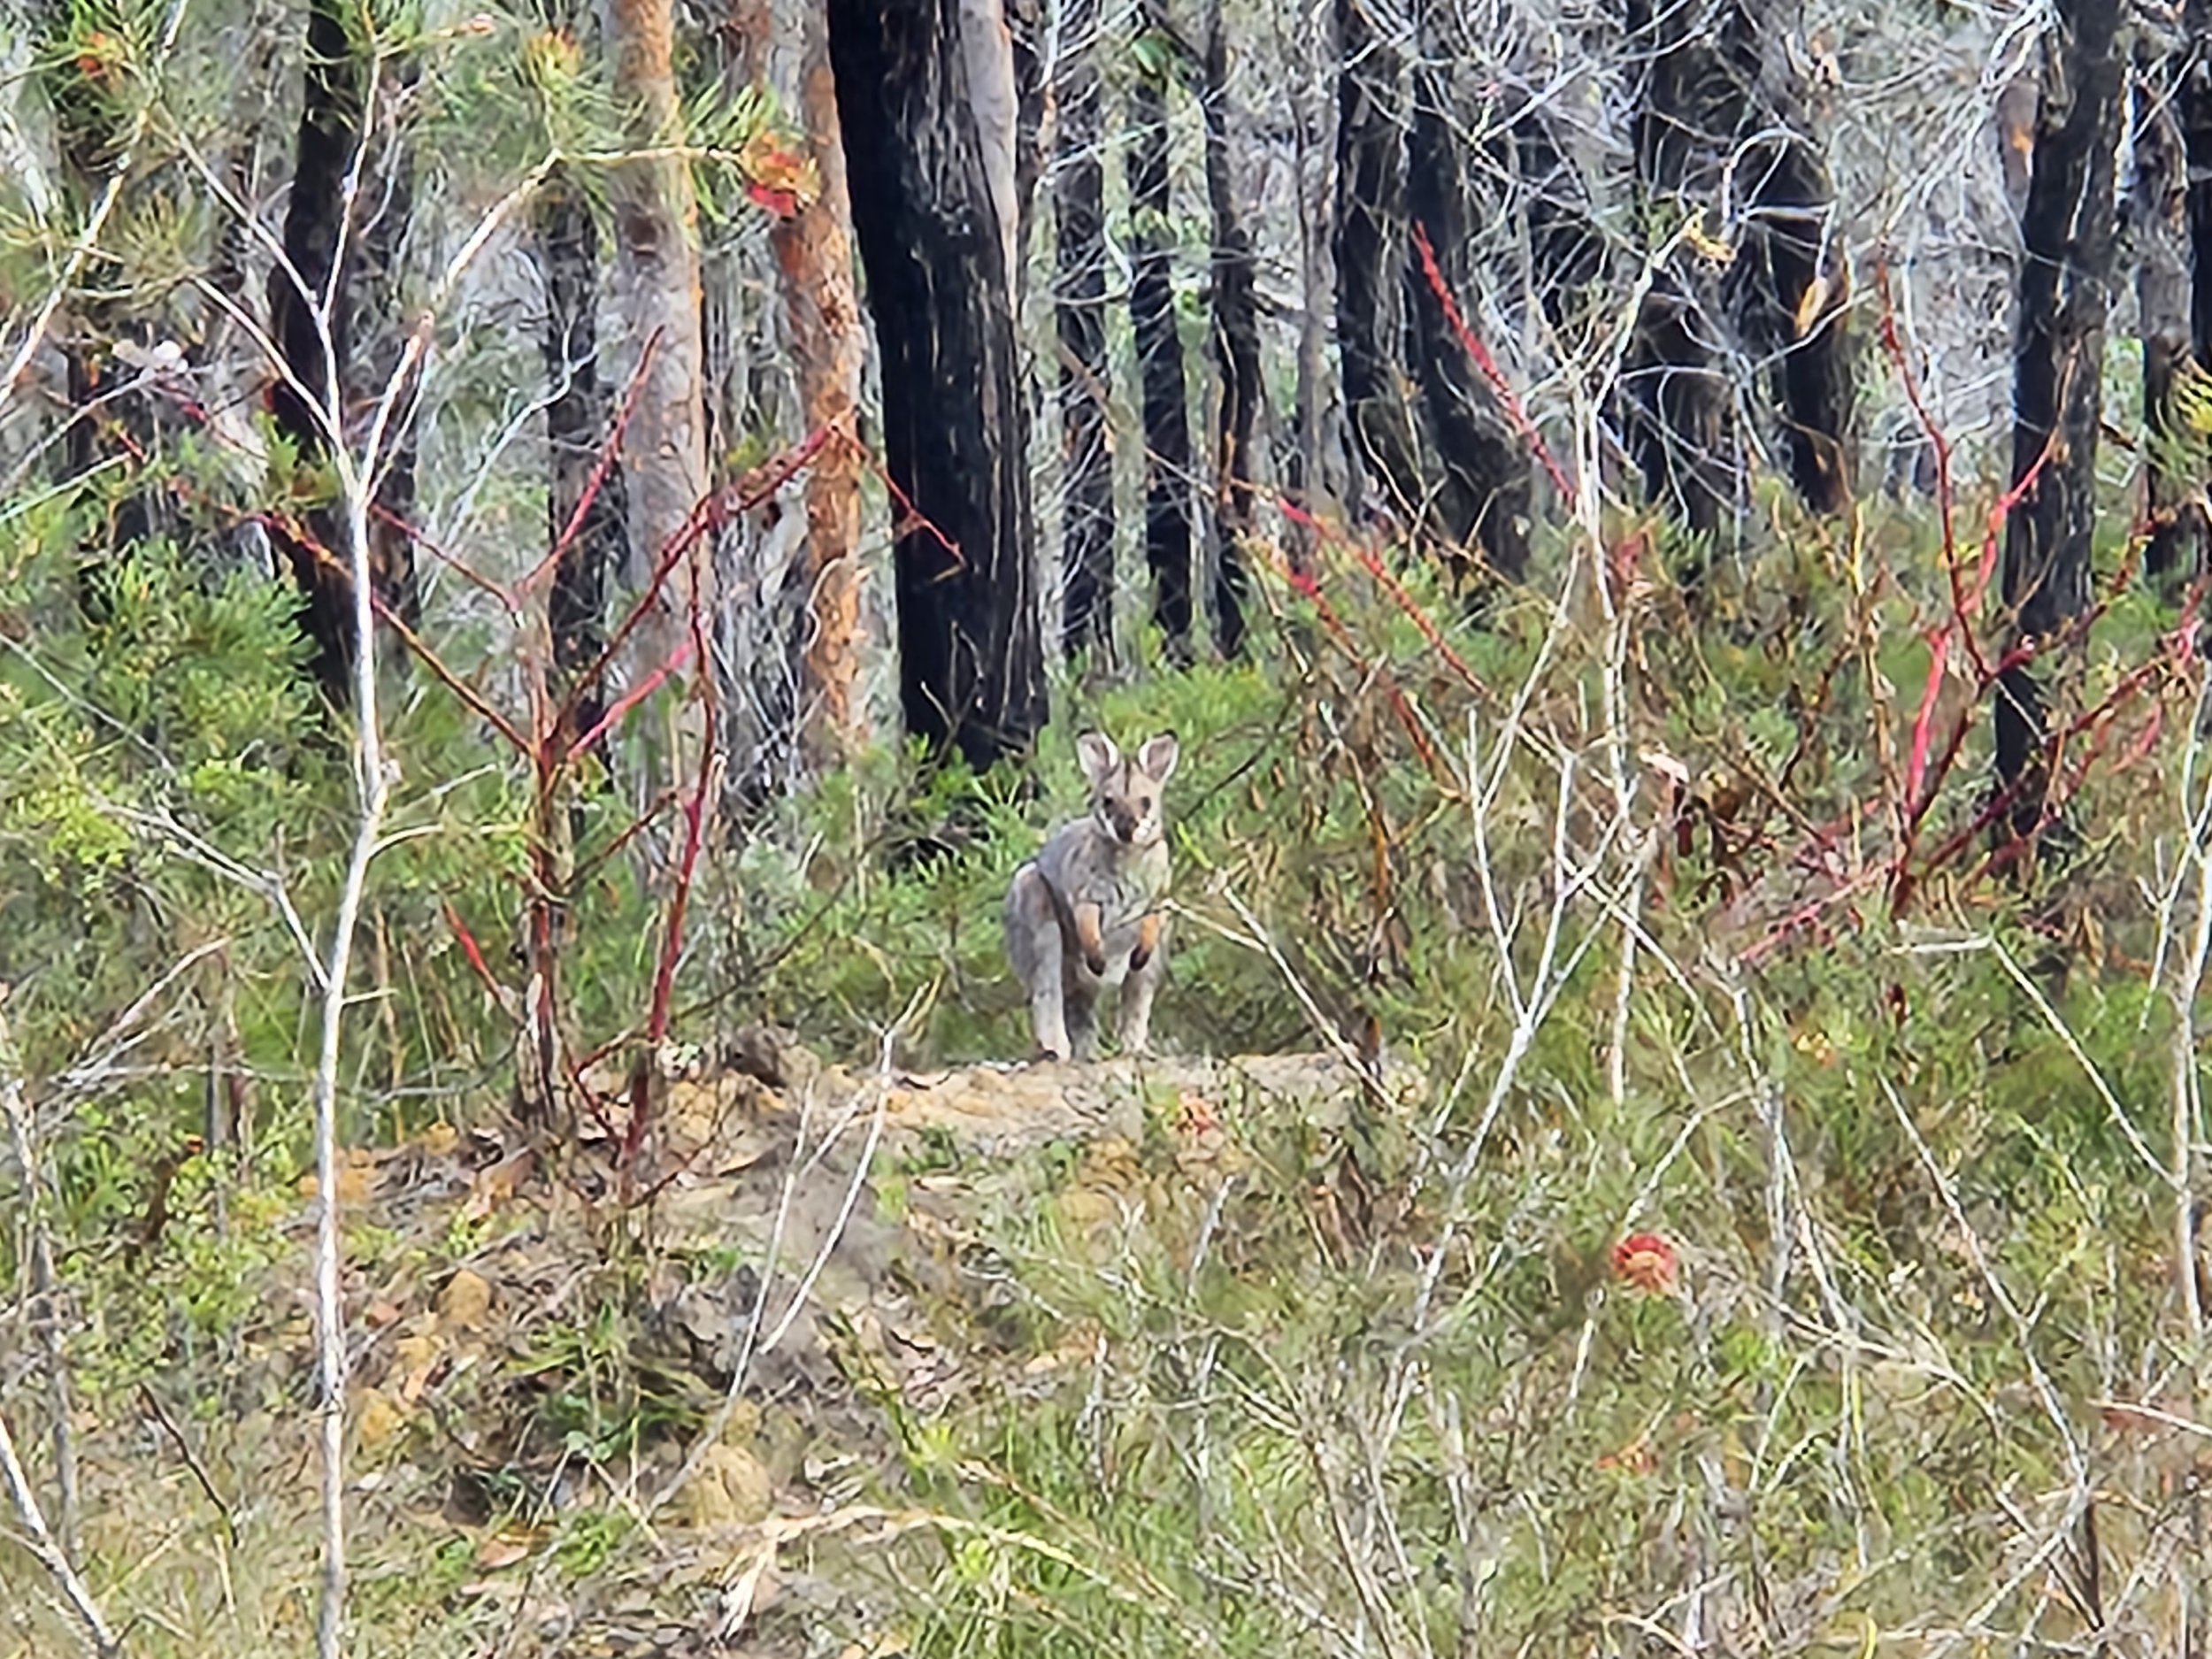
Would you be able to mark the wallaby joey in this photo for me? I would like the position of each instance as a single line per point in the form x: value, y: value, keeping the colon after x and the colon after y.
x: 1085, y: 913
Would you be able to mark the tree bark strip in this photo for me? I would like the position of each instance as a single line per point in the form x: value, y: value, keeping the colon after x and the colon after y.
x: 1167, y: 443
x: 1236, y: 352
x: 814, y: 254
x: 971, y: 656
x: 1086, y: 372
x: 2068, y: 232
x: 655, y: 224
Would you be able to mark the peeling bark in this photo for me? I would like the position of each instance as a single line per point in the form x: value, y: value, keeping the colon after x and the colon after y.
x: 822, y: 312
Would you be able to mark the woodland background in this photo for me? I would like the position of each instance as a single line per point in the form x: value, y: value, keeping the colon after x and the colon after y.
x: 543, y: 551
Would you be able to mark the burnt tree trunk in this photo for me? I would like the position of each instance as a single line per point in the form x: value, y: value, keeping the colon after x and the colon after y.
x: 2193, y: 109
x: 1370, y: 217
x: 1723, y: 116
x: 580, y: 422
x: 2158, y: 213
x: 1682, y: 415
x: 378, y: 307
x: 1789, y: 278
x: 1480, y: 490
x: 329, y: 133
x: 1566, y: 250
x: 1086, y: 375
x: 1236, y: 330
x: 1166, y: 412
x: 2067, y: 232
x: 970, y: 655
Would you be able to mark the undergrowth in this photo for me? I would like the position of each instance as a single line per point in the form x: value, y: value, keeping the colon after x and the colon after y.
x: 1900, y: 1131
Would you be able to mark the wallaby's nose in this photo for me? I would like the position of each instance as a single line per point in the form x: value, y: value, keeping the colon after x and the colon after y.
x: 1124, y: 823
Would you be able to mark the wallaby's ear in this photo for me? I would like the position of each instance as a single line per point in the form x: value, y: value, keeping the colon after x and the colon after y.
x: 1099, y: 757
x: 1158, y: 757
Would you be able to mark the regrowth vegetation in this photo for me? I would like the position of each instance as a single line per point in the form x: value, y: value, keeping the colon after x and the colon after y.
x: 543, y: 553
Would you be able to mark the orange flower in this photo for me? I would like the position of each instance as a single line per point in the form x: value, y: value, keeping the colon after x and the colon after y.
x: 1647, y: 1262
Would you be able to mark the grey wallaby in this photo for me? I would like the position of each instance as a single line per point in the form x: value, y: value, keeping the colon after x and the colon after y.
x: 1085, y: 915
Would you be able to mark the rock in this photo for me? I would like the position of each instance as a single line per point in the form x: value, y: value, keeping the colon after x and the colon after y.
x: 731, y: 1489
x: 375, y: 1419
x: 465, y: 1303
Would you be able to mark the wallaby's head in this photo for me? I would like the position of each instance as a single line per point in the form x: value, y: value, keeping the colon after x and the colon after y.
x: 1125, y: 793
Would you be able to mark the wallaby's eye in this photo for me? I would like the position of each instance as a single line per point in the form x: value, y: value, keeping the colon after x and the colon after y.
x: 1144, y: 804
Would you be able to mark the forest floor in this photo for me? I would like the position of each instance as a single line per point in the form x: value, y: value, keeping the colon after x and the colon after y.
x: 586, y: 1417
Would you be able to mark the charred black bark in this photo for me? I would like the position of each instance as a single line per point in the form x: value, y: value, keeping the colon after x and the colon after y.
x: 1085, y: 373
x: 1482, y: 493
x: 1371, y: 252
x: 1425, y: 428
x: 1721, y: 96
x: 1167, y: 445
x: 1566, y: 250
x: 2067, y: 232
x: 329, y: 133
x: 374, y: 292
x: 1681, y: 421
x: 1790, y: 299
x: 1236, y: 319
x: 579, y: 421
x: 970, y: 653
x: 2193, y: 109
x: 2159, y: 214
x: 362, y: 302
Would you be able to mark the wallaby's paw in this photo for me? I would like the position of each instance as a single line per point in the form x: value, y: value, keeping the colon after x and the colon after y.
x: 1095, y: 961
x: 1138, y: 957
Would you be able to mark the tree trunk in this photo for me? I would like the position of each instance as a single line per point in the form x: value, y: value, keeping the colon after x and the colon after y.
x: 971, y: 656
x: 1236, y: 352
x: 329, y: 133
x: 2159, y: 208
x: 1086, y: 372
x: 2194, y: 111
x: 1479, y: 489
x: 579, y: 421
x: 665, y: 449
x: 994, y: 96
x: 1371, y: 251
x: 378, y: 309
x: 1681, y: 424
x: 1566, y: 250
x: 1167, y: 445
x: 814, y: 254
x: 1790, y: 278
x: 2068, y: 233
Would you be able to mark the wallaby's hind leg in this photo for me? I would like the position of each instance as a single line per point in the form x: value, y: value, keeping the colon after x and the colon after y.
x: 1034, y: 945
x: 1135, y: 1013
x: 1082, y: 1017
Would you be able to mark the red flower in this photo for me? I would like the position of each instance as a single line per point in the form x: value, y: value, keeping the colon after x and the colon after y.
x: 1647, y: 1262
x: 782, y: 203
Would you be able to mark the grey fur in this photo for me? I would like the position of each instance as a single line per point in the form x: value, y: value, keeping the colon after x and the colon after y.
x: 1114, y: 858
